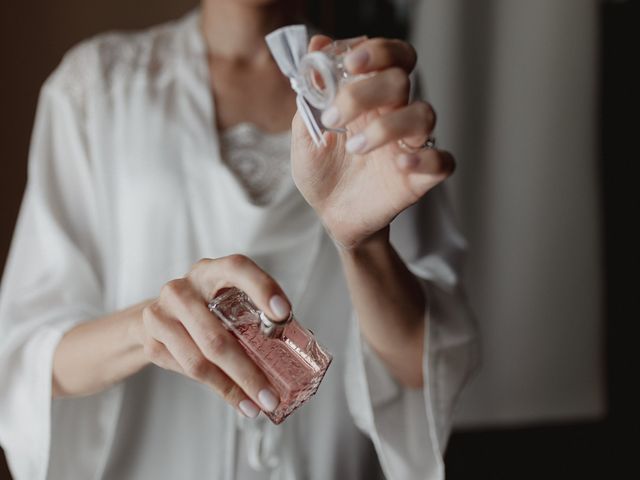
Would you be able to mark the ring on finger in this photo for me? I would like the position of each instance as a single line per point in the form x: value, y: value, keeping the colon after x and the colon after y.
x: 429, y: 144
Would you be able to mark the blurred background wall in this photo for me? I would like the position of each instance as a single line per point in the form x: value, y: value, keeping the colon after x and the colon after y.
x: 515, y: 83
x: 532, y: 98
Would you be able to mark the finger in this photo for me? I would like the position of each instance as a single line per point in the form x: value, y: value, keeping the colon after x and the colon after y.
x: 318, y: 42
x: 428, y: 162
x: 173, y: 346
x: 207, y: 347
x: 414, y: 122
x: 173, y: 337
x: 208, y: 276
x: 423, y: 170
x: 379, y: 54
x: 158, y: 354
x: 389, y: 88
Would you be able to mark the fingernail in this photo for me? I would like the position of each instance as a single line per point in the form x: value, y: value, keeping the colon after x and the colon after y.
x: 356, y: 143
x: 408, y: 162
x: 279, y: 307
x: 330, y: 117
x: 249, y: 409
x: 268, y: 400
x: 356, y: 60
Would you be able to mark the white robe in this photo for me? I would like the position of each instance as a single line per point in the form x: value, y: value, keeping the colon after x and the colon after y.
x: 126, y: 190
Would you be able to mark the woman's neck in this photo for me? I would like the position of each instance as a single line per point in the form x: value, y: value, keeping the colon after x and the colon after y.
x: 235, y: 30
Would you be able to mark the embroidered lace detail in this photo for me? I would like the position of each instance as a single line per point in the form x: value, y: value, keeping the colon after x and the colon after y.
x: 96, y: 64
x: 259, y: 160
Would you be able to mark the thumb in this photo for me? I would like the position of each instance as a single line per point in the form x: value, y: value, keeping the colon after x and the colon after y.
x: 318, y: 42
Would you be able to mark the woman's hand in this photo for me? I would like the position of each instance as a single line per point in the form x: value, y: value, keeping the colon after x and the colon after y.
x: 179, y: 332
x: 360, y: 181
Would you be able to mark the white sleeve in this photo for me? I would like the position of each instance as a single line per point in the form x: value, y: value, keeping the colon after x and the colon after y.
x: 52, y: 279
x: 410, y: 427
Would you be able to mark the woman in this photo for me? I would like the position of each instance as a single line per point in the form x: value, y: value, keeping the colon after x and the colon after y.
x: 155, y: 149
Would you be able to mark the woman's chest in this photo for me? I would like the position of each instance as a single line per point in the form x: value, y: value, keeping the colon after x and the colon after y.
x: 259, y: 96
x: 168, y: 198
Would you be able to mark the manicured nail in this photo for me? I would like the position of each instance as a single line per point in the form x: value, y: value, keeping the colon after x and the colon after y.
x: 356, y: 60
x: 268, y: 399
x: 330, y: 117
x: 249, y: 409
x: 279, y: 307
x: 356, y: 143
x: 408, y: 162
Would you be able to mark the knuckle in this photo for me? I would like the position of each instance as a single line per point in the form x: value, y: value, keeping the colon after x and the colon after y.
x: 230, y: 393
x: 153, y: 350
x: 199, y: 266
x: 381, y: 130
x: 424, y: 117
x: 264, y: 281
x: 196, y: 366
x: 173, y: 289
x: 377, y: 42
x: 423, y: 111
x: 237, y: 261
x: 350, y: 98
x: 217, y: 345
x: 383, y: 49
x: 150, y: 315
x: 149, y: 311
x: 253, y: 383
x: 399, y: 80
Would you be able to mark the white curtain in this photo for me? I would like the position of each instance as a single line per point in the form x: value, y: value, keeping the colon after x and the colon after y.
x: 515, y: 86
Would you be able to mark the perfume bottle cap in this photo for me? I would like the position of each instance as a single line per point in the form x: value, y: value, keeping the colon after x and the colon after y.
x: 319, y: 79
x: 271, y: 328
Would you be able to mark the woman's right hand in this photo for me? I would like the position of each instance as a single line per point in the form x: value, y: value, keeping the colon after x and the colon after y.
x: 179, y: 333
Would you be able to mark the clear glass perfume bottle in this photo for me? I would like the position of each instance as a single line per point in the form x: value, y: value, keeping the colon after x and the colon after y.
x: 287, y: 353
x: 323, y: 72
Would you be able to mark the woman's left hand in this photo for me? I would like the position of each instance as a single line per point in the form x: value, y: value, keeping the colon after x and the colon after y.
x: 360, y: 181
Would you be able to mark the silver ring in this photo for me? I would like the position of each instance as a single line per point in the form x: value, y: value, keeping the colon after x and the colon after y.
x: 430, y: 143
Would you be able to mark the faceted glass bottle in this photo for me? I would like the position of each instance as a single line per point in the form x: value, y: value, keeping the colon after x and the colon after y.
x: 288, y: 354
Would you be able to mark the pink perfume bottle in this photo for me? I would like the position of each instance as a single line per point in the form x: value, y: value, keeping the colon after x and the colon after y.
x: 286, y: 352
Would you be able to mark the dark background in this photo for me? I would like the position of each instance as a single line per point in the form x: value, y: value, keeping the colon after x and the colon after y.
x: 35, y: 35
